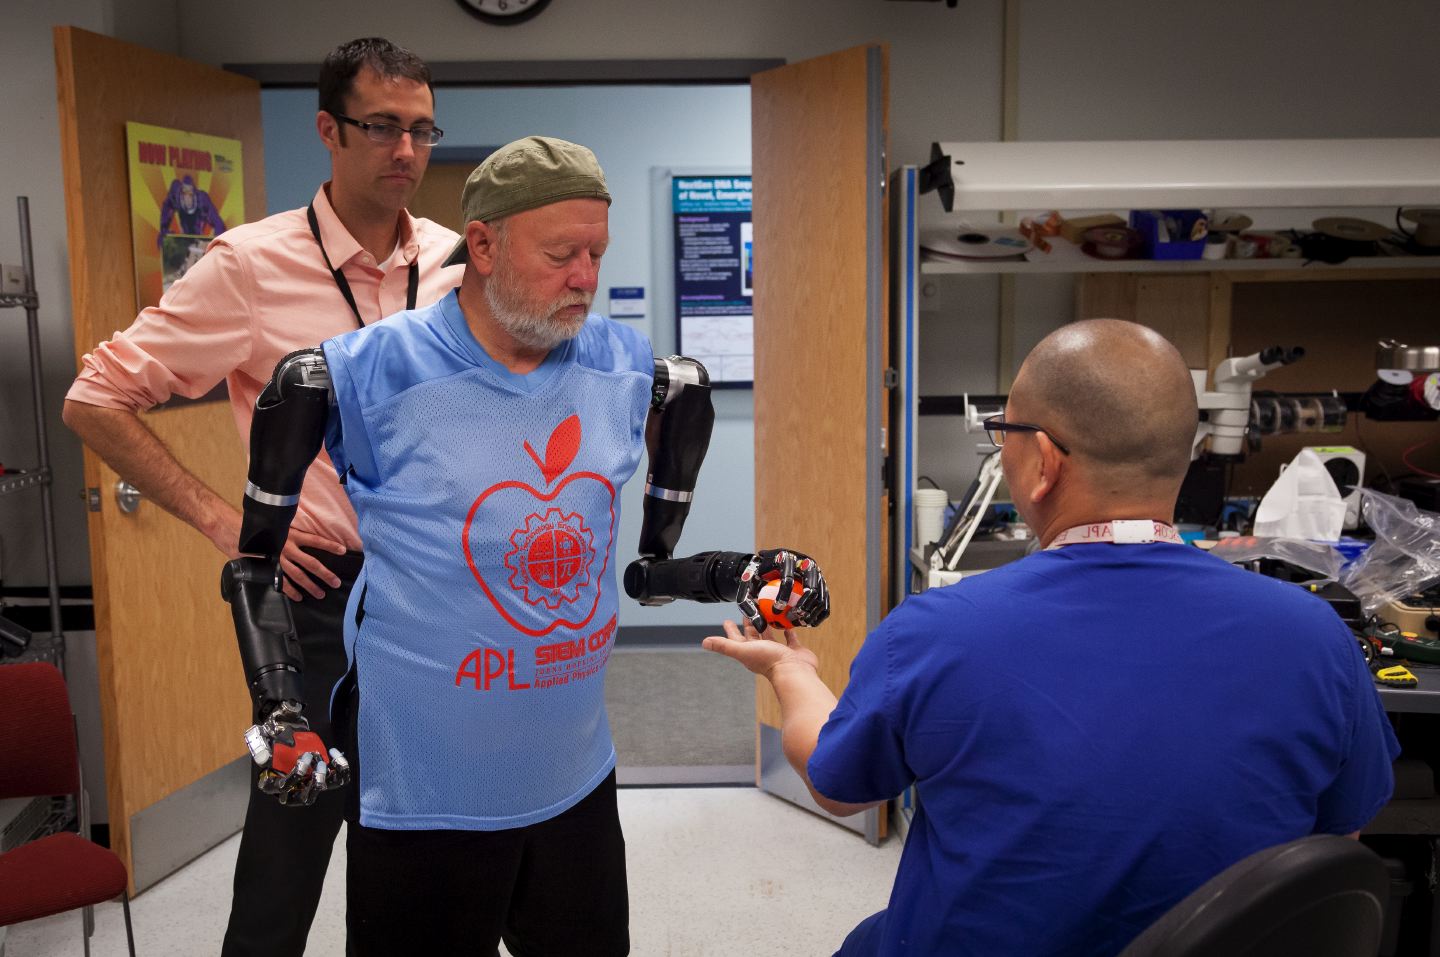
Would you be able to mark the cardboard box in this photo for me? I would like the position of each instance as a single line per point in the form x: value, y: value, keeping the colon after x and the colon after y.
x: 1073, y: 229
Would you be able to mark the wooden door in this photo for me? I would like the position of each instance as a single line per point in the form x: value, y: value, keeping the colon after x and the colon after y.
x: 172, y: 694
x: 819, y: 141
x: 438, y: 197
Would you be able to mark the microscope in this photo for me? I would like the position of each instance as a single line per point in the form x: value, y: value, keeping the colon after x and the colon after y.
x: 1231, y: 422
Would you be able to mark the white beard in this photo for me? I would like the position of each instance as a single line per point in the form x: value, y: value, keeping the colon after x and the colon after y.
x: 528, y: 322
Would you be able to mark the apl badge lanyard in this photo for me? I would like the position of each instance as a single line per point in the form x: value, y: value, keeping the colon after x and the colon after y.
x: 1122, y: 531
x: 412, y: 287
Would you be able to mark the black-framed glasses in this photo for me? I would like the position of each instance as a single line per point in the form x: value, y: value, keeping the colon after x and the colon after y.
x: 390, y: 133
x: 996, y: 427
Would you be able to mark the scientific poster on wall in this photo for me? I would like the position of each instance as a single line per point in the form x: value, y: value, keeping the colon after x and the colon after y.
x: 185, y: 189
x: 715, y: 276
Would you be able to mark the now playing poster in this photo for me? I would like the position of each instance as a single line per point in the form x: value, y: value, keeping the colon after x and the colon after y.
x: 715, y: 275
x: 185, y: 189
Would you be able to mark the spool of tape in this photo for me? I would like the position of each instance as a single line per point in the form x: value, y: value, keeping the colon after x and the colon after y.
x: 972, y: 242
x: 1352, y: 229
x: 1427, y: 226
x: 1111, y: 242
x: 1229, y: 221
x: 1244, y: 246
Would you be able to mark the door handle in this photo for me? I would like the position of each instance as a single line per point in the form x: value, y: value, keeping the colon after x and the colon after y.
x: 127, y: 496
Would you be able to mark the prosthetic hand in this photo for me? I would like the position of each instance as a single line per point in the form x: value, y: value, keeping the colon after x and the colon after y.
x: 777, y: 586
x: 289, y: 426
x: 294, y: 763
x: 292, y: 758
x: 770, y: 591
x: 763, y: 585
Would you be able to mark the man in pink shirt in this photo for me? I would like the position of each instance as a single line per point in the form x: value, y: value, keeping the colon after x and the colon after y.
x: 262, y: 291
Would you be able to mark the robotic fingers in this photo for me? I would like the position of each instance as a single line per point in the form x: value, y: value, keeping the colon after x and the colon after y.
x: 294, y: 764
x: 783, y: 587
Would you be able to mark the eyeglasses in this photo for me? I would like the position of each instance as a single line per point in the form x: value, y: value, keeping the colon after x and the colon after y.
x: 389, y: 133
x: 996, y: 427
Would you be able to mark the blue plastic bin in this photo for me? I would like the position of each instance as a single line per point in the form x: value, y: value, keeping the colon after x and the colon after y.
x: 1146, y: 223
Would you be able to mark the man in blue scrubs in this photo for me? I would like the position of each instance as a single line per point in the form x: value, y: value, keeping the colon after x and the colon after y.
x: 1099, y: 728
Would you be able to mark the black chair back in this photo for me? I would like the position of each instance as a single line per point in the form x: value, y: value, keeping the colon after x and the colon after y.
x: 1320, y: 896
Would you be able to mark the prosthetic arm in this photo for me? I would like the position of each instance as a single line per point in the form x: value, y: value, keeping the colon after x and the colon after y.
x: 775, y: 586
x: 285, y: 437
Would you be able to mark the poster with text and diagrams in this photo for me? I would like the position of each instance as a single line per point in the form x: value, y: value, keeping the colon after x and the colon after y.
x: 715, y: 275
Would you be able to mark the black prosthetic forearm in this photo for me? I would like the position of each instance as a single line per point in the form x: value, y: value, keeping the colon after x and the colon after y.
x: 269, y: 650
x: 285, y: 437
x: 681, y: 401
x: 704, y: 577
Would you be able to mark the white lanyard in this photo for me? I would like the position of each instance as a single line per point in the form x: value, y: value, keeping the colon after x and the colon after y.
x: 1122, y: 531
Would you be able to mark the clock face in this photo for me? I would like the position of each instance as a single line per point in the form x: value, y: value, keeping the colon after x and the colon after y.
x: 504, y: 11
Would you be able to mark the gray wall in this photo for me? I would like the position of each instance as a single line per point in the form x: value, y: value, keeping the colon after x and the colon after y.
x: 30, y: 166
x: 1228, y: 69
x: 1091, y: 69
x: 944, y: 63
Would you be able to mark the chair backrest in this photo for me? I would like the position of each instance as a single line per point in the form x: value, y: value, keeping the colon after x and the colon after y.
x: 1319, y: 896
x: 37, y: 733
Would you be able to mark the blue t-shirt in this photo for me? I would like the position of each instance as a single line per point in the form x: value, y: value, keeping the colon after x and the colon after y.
x: 489, y: 504
x: 1093, y: 733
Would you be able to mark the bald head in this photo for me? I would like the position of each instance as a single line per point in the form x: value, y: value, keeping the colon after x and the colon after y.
x: 1117, y: 394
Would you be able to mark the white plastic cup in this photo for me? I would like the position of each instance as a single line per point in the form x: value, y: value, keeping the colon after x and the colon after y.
x: 930, y: 505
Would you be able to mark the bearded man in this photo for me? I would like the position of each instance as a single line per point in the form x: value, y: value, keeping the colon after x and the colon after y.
x: 483, y: 442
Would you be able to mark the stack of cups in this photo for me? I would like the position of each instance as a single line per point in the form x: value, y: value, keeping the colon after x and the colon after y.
x: 930, y: 504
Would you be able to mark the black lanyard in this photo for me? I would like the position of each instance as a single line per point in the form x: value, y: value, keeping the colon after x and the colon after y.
x: 412, y: 285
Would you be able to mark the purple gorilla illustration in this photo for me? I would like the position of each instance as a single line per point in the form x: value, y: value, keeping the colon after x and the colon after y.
x: 193, y: 206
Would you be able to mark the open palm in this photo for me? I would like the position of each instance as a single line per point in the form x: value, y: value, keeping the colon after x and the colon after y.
x: 757, y: 653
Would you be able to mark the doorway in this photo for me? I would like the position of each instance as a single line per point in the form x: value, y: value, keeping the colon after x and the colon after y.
x: 679, y: 715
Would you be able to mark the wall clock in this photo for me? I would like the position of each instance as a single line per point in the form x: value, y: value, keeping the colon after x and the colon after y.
x: 504, y: 12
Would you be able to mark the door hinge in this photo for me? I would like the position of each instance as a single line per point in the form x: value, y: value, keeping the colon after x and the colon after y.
x: 92, y: 499
x: 890, y: 378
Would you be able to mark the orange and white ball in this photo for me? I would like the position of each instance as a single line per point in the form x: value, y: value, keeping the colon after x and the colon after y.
x: 766, y: 602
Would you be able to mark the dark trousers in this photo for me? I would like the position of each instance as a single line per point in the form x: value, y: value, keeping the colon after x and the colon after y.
x: 553, y: 889
x: 285, y: 850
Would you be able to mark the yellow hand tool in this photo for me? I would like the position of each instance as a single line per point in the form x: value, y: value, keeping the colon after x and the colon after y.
x: 1396, y: 676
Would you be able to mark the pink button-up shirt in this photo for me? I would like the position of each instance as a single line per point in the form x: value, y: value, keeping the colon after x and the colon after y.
x: 260, y: 292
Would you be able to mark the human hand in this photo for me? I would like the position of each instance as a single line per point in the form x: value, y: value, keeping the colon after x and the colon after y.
x: 296, y: 563
x: 760, y: 655
x: 223, y: 530
x: 297, y: 566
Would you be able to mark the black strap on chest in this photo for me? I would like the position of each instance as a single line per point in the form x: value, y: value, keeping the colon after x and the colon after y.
x: 412, y: 283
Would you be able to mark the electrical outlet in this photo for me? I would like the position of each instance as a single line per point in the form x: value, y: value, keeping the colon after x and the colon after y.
x: 12, y: 280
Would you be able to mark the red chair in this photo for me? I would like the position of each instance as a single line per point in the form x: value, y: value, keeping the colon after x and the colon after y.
x: 38, y: 758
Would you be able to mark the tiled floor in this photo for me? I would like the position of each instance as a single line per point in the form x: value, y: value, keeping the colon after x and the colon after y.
x: 714, y: 872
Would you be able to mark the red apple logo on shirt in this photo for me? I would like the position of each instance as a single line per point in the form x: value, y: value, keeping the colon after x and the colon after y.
x: 534, y: 553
